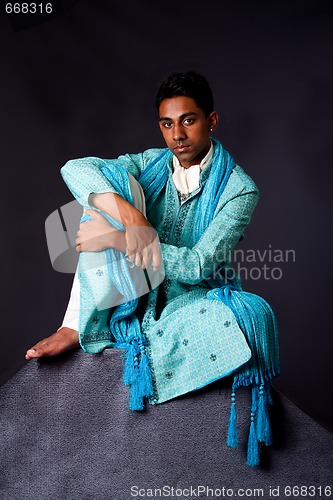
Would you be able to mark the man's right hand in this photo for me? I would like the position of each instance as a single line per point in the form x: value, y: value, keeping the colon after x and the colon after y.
x: 143, y: 247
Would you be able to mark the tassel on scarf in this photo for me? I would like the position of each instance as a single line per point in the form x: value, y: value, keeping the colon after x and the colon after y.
x: 129, y: 372
x: 136, y: 402
x: 145, y: 375
x: 264, y: 433
x: 133, y: 376
x: 253, y: 446
x: 232, y: 440
x: 137, y: 374
x: 258, y: 323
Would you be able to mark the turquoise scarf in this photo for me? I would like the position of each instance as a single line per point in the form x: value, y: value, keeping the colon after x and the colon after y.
x: 124, y: 325
x: 254, y: 315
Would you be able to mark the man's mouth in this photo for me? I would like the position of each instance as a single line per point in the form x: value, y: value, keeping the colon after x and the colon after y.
x: 181, y: 147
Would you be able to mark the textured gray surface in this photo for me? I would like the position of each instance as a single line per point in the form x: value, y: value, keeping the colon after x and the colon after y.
x: 67, y: 433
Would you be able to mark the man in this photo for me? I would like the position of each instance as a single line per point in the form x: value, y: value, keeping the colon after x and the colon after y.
x: 186, y: 119
x: 198, y: 325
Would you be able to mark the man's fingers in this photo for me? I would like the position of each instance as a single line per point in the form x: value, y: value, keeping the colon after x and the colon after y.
x: 156, y: 258
x: 151, y: 256
x: 146, y: 258
x: 143, y: 247
x: 138, y: 259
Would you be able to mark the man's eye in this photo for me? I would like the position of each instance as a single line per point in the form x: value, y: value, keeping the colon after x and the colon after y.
x: 188, y: 121
x: 167, y: 124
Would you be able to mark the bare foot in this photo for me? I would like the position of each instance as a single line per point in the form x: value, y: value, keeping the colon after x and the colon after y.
x: 62, y: 340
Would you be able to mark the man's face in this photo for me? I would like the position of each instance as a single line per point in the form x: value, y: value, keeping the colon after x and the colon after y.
x: 186, y: 129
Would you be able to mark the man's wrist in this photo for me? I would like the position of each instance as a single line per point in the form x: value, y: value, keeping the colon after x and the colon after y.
x: 133, y: 217
x: 117, y: 241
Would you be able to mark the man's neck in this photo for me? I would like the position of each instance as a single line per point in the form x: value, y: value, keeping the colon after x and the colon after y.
x: 203, y: 162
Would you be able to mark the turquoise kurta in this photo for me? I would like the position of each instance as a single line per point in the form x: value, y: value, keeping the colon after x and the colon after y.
x: 188, y: 322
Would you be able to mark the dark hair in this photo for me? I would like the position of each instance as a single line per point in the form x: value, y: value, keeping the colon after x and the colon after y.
x: 189, y: 84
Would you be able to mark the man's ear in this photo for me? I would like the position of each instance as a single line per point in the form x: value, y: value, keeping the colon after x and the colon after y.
x: 212, y: 120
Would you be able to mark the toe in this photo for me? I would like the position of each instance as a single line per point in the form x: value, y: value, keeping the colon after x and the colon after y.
x: 31, y: 353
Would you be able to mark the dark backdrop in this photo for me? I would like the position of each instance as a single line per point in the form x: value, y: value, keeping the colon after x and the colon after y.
x: 84, y: 82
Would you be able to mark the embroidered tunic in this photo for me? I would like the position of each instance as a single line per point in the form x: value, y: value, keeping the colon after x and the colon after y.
x: 179, y: 311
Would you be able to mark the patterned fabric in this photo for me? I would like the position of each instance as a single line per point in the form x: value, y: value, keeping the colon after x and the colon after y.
x: 186, y: 263
x: 197, y: 238
x: 187, y: 358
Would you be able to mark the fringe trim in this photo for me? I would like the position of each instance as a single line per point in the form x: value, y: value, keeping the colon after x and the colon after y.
x: 253, y: 457
x: 232, y: 440
x: 137, y: 373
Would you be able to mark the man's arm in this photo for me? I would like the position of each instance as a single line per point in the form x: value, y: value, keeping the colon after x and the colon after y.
x: 188, y: 265
x: 85, y: 176
x: 142, y: 243
x: 87, y: 182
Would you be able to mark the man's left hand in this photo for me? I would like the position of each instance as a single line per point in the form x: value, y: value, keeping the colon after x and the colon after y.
x: 98, y: 234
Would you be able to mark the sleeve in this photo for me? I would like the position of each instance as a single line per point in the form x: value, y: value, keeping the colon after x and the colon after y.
x: 84, y: 176
x: 191, y: 266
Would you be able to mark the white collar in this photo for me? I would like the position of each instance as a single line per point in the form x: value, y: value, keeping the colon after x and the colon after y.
x: 187, y: 180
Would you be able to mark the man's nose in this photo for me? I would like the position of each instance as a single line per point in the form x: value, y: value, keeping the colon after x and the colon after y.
x: 178, y: 132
